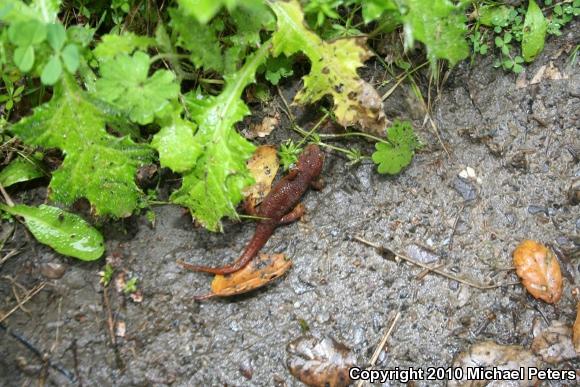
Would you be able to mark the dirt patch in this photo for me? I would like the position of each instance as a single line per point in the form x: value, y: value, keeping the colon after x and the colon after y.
x: 521, y: 142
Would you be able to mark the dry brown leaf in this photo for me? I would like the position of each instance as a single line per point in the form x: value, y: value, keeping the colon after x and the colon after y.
x: 320, y: 362
x: 576, y: 330
x: 539, y: 270
x: 121, y: 329
x: 489, y: 354
x: 265, y: 127
x: 553, y: 344
x: 259, y: 272
x: 263, y: 166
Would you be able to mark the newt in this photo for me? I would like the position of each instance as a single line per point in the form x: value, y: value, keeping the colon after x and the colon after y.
x: 281, y: 206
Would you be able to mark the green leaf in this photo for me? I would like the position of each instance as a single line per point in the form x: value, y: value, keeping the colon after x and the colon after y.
x: 534, y: 32
x: 204, y: 10
x: 213, y: 187
x: 66, y: 233
x: 24, y: 58
x: 97, y: 165
x: 176, y: 145
x: 52, y: 71
x: 278, y: 68
x: 440, y: 25
x: 333, y: 69
x: 56, y: 36
x: 47, y: 10
x: 27, y: 33
x: 19, y: 170
x: 113, y: 45
x: 125, y: 84
x: 393, y: 157
x: 71, y: 58
x: 201, y: 41
x: 373, y: 9
x: 492, y: 15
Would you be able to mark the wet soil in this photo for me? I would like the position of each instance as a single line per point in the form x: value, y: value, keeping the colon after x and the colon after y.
x: 521, y: 140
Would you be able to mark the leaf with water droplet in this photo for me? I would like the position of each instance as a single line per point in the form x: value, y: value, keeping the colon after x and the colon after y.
x: 67, y: 233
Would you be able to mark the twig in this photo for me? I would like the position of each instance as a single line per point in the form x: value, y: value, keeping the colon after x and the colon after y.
x: 287, y: 111
x: 383, y: 250
x: 381, y: 345
x: 7, y: 197
x: 27, y: 298
x: 39, y: 353
x: 110, y: 323
x: 9, y: 255
x: 455, y: 226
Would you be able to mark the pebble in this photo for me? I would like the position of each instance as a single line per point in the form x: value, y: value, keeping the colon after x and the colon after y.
x: 574, y: 192
x: 465, y: 188
x: 74, y: 279
x: 52, y: 270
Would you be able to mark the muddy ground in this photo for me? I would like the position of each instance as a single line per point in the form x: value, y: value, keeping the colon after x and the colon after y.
x: 521, y: 140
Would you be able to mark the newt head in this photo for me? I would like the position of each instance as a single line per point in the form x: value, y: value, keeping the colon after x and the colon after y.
x: 311, y: 160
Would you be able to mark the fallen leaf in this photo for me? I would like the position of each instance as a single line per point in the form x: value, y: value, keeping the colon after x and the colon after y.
x: 576, y: 330
x: 489, y: 354
x: 553, y: 344
x: 259, y: 272
x: 137, y: 296
x: 539, y: 270
x: 263, y: 167
x: 320, y: 362
x: 264, y: 128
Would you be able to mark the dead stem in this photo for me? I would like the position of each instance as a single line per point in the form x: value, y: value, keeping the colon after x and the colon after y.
x: 382, y: 249
x: 27, y: 298
x: 381, y: 345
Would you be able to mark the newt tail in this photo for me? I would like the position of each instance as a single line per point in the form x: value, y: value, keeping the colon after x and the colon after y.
x: 280, y: 206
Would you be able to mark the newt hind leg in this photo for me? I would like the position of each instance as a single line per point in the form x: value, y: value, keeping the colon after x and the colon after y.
x: 227, y: 269
x: 296, y: 213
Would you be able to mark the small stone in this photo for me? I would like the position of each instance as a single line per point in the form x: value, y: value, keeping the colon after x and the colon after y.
x: 52, y: 270
x: 246, y: 368
x: 574, y: 192
x: 465, y: 188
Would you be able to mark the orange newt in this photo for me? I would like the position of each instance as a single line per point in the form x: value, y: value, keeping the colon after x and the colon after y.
x: 280, y: 206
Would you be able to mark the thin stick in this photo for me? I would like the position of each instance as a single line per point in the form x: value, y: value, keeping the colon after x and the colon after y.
x: 30, y: 294
x: 287, y: 111
x: 433, y: 269
x: 7, y: 197
x: 9, y: 255
x: 455, y: 226
x: 381, y: 345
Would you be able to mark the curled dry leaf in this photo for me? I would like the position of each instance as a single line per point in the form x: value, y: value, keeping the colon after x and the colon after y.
x: 259, y: 272
x: 576, y: 330
x: 539, y: 270
x: 263, y: 166
x: 553, y: 344
x: 489, y: 354
x: 320, y: 362
x: 265, y: 127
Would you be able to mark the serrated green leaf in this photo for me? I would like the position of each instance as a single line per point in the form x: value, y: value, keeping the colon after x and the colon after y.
x: 15, y: 11
x: 24, y: 58
x: 213, y: 187
x: 534, y: 35
x: 201, y: 41
x: 333, y: 69
x: 52, y: 71
x: 113, y: 45
x: 396, y: 155
x: 176, y: 145
x: 19, y: 170
x: 97, y: 165
x: 440, y: 25
x: 71, y: 58
x: 125, y: 84
x: 66, y: 233
x: 56, y: 36
x: 278, y: 68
